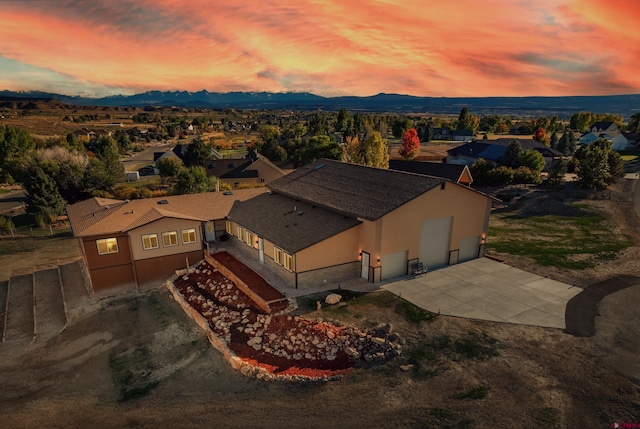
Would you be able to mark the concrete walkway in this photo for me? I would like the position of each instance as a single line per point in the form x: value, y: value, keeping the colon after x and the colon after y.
x: 489, y: 290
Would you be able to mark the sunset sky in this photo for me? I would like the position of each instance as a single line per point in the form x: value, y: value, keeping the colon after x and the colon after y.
x: 327, y: 47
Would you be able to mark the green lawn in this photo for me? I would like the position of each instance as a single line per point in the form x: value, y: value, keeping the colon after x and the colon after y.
x: 554, y: 240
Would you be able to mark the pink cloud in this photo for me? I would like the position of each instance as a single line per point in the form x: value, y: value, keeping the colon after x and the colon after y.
x: 461, y: 48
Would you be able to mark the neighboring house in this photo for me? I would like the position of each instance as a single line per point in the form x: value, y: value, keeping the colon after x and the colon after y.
x: 463, y: 135
x: 454, y: 172
x: 440, y: 134
x: 159, y: 156
x: 252, y: 170
x: 606, y: 130
x: 492, y: 150
x: 607, y: 127
x: 330, y: 221
x: 133, y: 244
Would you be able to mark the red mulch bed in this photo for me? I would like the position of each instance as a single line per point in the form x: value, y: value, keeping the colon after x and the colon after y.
x: 252, y: 279
x: 290, y: 345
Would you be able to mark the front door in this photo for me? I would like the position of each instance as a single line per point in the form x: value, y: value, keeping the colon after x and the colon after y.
x: 365, y: 266
x: 261, y: 250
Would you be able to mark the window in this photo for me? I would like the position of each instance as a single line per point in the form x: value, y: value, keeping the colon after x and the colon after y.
x: 249, y: 238
x: 277, y: 255
x: 229, y: 230
x: 150, y: 241
x: 169, y: 238
x: 239, y: 233
x: 288, y: 261
x: 188, y: 236
x: 107, y: 245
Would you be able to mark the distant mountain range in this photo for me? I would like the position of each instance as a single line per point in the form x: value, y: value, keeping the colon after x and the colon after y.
x: 625, y: 105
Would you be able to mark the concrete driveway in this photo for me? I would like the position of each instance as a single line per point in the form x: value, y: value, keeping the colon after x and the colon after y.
x: 489, y: 290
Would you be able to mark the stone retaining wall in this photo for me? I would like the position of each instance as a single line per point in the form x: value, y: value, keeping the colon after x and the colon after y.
x: 264, y: 305
x: 235, y: 361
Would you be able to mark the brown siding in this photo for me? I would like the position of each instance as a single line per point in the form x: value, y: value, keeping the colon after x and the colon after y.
x: 94, y: 260
x: 119, y: 277
x: 329, y: 274
x: 155, y: 270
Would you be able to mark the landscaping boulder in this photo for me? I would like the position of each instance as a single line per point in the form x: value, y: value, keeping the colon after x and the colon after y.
x: 333, y: 298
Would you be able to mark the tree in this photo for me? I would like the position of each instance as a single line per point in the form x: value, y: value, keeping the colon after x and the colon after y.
x: 531, y: 159
x: 124, y: 142
x: 342, y: 122
x: 67, y: 168
x: 616, y: 167
x: 553, y: 142
x: 634, y: 123
x: 557, y: 172
x: 511, y: 156
x: 194, y: 180
x: 317, y: 147
x: 353, y: 151
x: 467, y: 121
x: 593, y: 168
x: 318, y: 124
x: 400, y: 125
x: 480, y: 171
x: 410, y: 144
x: 524, y: 174
x: 43, y: 198
x: 170, y: 167
x: 376, y: 151
x: 540, y: 135
x: 197, y: 153
x: 15, y: 143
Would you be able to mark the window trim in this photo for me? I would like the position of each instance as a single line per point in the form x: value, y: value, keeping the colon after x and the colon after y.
x: 239, y: 233
x: 106, y: 243
x: 288, y: 261
x: 229, y: 227
x: 169, y: 234
x: 277, y: 255
x: 150, y: 237
x: 248, y: 238
x: 189, y: 230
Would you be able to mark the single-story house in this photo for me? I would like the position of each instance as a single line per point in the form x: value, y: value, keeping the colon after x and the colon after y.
x: 133, y: 244
x: 455, y: 172
x: 330, y: 220
x: 440, y: 133
x: 493, y: 150
x: 463, y: 135
x: 254, y: 169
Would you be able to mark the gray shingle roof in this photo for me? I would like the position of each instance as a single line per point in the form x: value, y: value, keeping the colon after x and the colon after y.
x: 437, y: 169
x: 289, y: 224
x: 357, y: 190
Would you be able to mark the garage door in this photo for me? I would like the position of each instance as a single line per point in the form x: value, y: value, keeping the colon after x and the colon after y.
x: 394, y: 265
x: 469, y: 248
x: 434, y: 242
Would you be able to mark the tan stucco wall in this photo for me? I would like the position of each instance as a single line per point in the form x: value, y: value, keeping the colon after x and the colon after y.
x: 339, y: 249
x: 266, y: 171
x: 401, y: 227
x: 158, y: 227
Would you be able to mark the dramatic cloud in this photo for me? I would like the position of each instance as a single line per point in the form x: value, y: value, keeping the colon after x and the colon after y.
x: 328, y: 47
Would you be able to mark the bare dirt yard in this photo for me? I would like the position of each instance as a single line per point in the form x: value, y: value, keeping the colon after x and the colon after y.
x: 139, y: 361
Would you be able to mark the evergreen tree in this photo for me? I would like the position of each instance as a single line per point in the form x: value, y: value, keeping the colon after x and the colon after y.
x: 43, y: 198
x: 557, y: 172
x: 554, y: 140
x: 511, y: 155
x: 593, y: 168
x: 197, y: 153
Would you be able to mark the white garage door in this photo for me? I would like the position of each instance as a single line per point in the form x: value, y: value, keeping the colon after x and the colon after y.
x: 469, y: 248
x: 434, y: 242
x: 394, y: 265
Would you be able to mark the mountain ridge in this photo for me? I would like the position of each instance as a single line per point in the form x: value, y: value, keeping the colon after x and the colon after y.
x: 625, y: 105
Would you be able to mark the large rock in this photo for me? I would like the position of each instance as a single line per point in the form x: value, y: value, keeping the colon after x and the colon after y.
x: 333, y: 298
